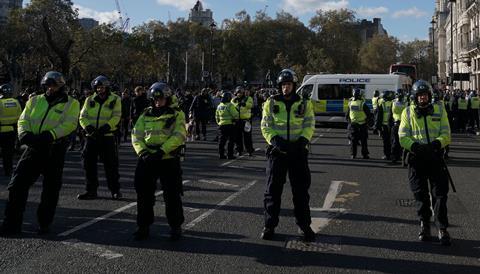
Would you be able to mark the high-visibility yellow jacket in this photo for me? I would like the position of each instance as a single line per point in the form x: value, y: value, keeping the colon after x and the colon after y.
x: 462, y: 104
x: 397, y: 108
x: 424, y: 129
x: 96, y: 114
x: 10, y: 111
x: 226, y: 113
x: 475, y: 102
x: 60, y: 117
x: 298, y: 122
x: 356, y: 112
x: 244, y: 107
x: 166, y: 132
x: 375, y: 102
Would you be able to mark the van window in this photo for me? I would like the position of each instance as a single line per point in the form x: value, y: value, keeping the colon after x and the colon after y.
x: 336, y: 92
x: 305, y: 91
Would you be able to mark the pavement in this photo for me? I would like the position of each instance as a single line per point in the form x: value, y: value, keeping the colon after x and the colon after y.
x: 362, y: 212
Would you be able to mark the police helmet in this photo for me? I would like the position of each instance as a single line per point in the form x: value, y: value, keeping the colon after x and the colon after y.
x: 159, y: 90
x: 239, y: 89
x: 100, y: 81
x: 387, y: 95
x: 399, y: 94
x: 419, y: 87
x: 285, y: 76
x: 357, y: 93
x: 436, y: 95
x: 53, y: 78
x: 226, y: 97
x: 6, y: 90
x: 376, y: 93
x: 473, y: 93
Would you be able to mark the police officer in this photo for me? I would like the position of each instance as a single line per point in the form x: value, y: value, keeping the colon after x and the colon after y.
x: 462, y: 105
x: 474, y: 103
x: 43, y: 126
x: 425, y: 131
x: 225, y: 116
x: 157, y: 138
x: 244, y: 105
x: 288, y: 124
x: 398, y: 106
x: 384, y: 122
x: 100, y: 117
x: 358, y: 115
x: 375, y: 98
x: 10, y: 111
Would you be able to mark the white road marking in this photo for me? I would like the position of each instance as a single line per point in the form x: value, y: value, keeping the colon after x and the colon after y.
x: 218, y: 206
x: 321, y: 217
x: 94, y: 249
x: 259, y: 169
x: 106, y: 216
x: 212, y: 182
x: 329, y: 129
x: 238, y: 158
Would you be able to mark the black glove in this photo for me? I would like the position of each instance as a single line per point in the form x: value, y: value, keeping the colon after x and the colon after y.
x: 243, y: 104
x: 44, y: 138
x: 416, y: 148
x: 145, y: 156
x: 104, y: 129
x: 302, y: 142
x: 90, y: 130
x: 27, y: 139
x: 279, y: 143
x: 436, y: 145
x: 158, y: 155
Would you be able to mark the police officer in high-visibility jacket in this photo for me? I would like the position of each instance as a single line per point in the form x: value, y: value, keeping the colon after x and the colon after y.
x: 225, y: 116
x: 398, y: 106
x: 158, y: 138
x: 358, y: 115
x: 425, y: 131
x: 10, y: 111
x: 44, y: 127
x: 288, y: 124
x: 384, y: 122
x: 462, y: 106
x: 100, y: 117
x: 244, y: 105
x: 474, y: 103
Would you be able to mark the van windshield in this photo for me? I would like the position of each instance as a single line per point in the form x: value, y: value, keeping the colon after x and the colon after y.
x: 336, y: 92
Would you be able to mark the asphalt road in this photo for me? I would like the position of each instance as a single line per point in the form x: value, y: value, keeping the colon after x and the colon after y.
x: 362, y: 212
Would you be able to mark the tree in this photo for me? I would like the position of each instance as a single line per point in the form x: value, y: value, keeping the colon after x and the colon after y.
x: 378, y: 54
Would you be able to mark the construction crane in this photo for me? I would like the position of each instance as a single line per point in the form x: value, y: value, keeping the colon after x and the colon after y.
x: 123, y: 24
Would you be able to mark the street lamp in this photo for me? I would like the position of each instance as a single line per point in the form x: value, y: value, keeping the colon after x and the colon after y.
x: 212, y: 29
x: 451, y: 41
x: 434, y: 74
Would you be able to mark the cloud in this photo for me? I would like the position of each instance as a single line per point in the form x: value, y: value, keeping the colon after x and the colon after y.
x: 307, y: 6
x: 183, y: 5
x: 101, y: 16
x: 412, y: 12
x: 371, y: 11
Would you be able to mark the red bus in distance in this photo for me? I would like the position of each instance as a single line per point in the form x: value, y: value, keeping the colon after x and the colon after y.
x: 408, y: 69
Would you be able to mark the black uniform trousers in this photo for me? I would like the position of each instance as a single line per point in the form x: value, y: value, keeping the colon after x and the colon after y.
x: 395, y: 141
x: 386, y: 137
x: 170, y: 174
x: 48, y: 161
x: 7, y: 144
x: 462, y: 119
x: 104, y: 147
x: 474, y: 119
x: 243, y: 137
x: 226, y: 133
x: 202, y: 121
x: 358, y: 133
x: 125, y: 126
x: 421, y: 173
x: 296, y: 164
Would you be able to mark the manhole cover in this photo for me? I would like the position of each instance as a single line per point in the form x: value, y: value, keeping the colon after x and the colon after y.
x: 324, y: 244
x: 406, y: 202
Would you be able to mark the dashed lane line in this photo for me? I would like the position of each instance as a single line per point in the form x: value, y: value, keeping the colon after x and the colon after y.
x: 218, y: 206
x: 212, y: 182
x: 238, y: 158
x: 94, y: 249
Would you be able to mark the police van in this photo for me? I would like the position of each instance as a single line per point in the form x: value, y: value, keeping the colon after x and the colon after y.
x: 330, y: 92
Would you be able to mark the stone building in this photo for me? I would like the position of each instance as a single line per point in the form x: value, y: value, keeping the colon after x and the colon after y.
x: 367, y: 29
x: 201, y: 16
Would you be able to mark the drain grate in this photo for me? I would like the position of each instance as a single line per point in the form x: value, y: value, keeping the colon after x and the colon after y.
x: 406, y: 202
x: 323, y: 244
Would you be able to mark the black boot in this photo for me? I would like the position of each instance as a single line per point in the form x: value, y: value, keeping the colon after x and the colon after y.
x: 424, y: 235
x: 308, y: 234
x: 43, y: 229
x: 10, y: 230
x: 89, y: 195
x: 444, y: 237
x: 267, y: 233
x: 175, y: 233
x: 142, y: 233
x: 116, y: 195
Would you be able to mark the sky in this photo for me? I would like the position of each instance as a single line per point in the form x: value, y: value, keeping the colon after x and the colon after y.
x: 405, y: 19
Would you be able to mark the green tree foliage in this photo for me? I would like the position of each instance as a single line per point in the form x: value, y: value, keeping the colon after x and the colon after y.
x: 378, y: 54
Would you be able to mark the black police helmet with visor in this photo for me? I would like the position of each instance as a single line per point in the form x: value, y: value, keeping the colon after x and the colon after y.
x: 387, y: 95
x: 422, y: 87
x: 53, y: 78
x: 159, y: 90
x: 285, y: 76
x: 357, y: 93
x: 6, y: 91
x: 399, y: 94
x: 100, y: 81
x: 226, y: 97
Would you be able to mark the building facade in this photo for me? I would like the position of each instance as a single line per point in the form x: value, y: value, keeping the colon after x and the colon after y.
x: 6, y: 6
x: 201, y: 16
x: 456, y: 31
x: 368, y: 29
